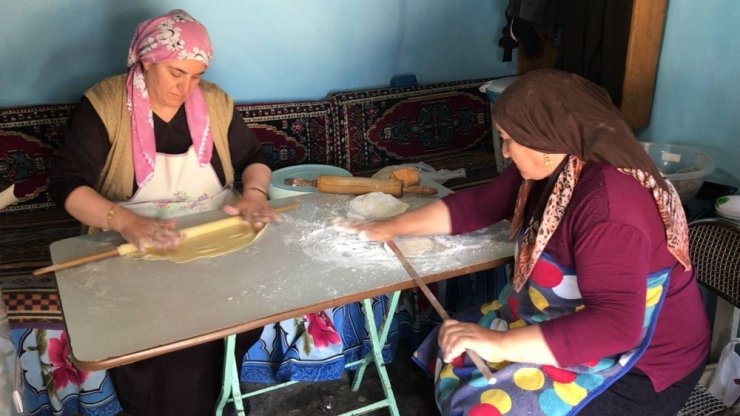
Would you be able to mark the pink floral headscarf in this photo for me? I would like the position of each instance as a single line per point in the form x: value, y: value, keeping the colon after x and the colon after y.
x: 172, y: 36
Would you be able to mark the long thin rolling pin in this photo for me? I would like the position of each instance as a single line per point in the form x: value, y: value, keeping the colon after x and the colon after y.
x: 129, y: 248
x: 474, y: 357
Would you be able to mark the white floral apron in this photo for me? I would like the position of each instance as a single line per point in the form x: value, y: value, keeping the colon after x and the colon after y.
x: 179, y: 186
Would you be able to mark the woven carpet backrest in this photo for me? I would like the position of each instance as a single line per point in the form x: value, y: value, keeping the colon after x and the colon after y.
x: 293, y: 133
x: 387, y: 126
x: 29, y: 138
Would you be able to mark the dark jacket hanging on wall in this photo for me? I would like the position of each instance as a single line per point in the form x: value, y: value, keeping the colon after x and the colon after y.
x: 593, y: 41
x: 591, y: 36
x: 527, y: 22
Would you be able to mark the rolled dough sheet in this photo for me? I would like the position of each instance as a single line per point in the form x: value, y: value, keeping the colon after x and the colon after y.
x: 414, y: 246
x: 209, y: 244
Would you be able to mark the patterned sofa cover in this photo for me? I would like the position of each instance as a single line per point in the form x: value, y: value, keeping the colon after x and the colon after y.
x: 446, y: 125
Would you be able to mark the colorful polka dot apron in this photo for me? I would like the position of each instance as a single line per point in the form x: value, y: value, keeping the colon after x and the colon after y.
x: 531, y: 389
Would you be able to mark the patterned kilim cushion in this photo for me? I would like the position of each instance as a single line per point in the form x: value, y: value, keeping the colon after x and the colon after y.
x: 29, y: 137
x: 446, y: 125
x: 31, y: 301
x: 292, y: 133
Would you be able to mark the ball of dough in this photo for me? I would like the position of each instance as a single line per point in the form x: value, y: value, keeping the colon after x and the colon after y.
x: 408, y: 175
x: 377, y: 205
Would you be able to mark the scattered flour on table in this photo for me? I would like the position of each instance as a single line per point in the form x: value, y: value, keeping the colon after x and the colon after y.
x: 323, y: 242
x: 344, y: 249
x: 450, y: 252
x: 320, y: 240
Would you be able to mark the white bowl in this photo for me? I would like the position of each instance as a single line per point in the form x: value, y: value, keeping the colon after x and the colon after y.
x: 278, y: 188
x: 728, y: 206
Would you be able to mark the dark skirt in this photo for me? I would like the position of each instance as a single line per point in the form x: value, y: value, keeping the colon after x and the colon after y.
x: 181, y: 383
x: 633, y: 394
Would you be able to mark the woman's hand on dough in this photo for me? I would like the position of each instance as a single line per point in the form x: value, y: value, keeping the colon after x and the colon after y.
x: 368, y: 230
x: 148, y: 233
x: 254, y: 209
x: 455, y: 337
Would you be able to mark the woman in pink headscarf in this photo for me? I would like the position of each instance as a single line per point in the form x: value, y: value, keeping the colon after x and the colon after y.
x: 150, y: 145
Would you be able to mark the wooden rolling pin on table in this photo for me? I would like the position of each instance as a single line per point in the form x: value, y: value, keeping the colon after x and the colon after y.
x: 350, y: 185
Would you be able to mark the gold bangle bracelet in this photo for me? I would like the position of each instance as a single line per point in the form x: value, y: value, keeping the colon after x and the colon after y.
x: 111, y: 213
x: 258, y: 190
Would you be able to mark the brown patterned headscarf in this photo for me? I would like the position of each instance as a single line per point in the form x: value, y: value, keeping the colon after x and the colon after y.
x: 553, y: 111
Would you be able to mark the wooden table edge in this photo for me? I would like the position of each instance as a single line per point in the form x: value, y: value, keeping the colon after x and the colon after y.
x: 225, y: 332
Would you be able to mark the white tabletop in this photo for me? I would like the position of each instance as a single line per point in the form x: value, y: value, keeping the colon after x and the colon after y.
x: 125, y: 309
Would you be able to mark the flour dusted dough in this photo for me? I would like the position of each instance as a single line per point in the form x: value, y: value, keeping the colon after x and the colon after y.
x: 414, y: 246
x: 377, y: 205
x: 210, y: 240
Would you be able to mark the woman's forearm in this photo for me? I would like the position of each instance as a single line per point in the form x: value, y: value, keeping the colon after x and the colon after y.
x: 256, y: 175
x: 527, y: 345
x: 94, y: 210
x: 88, y: 207
x: 430, y: 219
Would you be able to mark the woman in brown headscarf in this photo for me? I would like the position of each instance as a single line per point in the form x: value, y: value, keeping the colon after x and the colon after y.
x: 603, y: 313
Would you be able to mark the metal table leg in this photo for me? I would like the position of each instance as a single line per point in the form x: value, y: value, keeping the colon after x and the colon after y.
x: 231, y: 391
x: 376, y: 356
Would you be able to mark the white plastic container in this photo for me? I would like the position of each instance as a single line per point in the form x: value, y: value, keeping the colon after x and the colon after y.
x: 684, y: 165
x: 728, y: 207
x: 493, y: 89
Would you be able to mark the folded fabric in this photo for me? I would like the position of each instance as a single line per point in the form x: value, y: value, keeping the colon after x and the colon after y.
x: 7, y: 196
x: 10, y: 371
x: 427, y: 172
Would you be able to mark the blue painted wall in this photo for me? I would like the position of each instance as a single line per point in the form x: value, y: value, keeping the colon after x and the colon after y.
x: 697, y: 95
x: 272, y: 50
x: 265, y: 50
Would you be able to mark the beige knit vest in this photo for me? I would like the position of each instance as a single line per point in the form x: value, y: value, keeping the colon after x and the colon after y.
x: 108, y: 98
